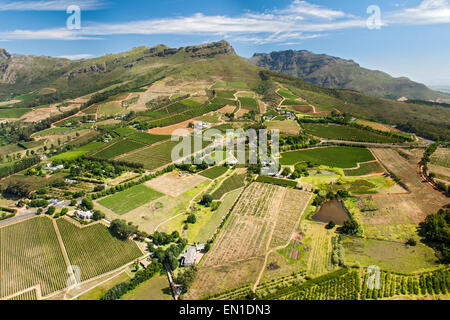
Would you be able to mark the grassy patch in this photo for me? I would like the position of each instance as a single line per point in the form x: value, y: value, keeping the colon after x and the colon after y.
x: 157, y: 288
x: 364, y: 169
x: 227, y: 94
x: 132, y: 198
x: 13, y: 113
x: 285, y: 93
x: 390, y: 256
x: 230, y: 84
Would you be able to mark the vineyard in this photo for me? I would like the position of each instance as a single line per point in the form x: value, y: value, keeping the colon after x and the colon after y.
x: 117, y: 149
x: 340, y: 157
x: 153, y: 157
x: 30, y: 255
x: 214, y: 172
x: 146, y: 138
x: 94, y: 250
x: 365, y: 169
x: 249, y: 104
x: 247, y: 230
x: 346, y: 284
x: 232, y: 183
x: 347, y: 133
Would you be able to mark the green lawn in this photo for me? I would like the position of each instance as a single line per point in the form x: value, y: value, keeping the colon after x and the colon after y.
x: 132, y: 198
x: 214, y: 172
x: 341, y: 157
x: 347, y: 133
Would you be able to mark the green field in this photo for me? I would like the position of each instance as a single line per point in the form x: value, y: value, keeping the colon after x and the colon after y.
x: 94, y: 250
x: 118, y: 148
x: 226, y: 94
x: 213, y: 220
x: 153, y: 157
x: 364, y: 169
x: 230, y: 85
x: 287, y: 94
x: 125, y: 131
x: 292, y: 102
x: 387, y: 255
x: 214, y: 172
x: 30, y: 254
x: 341, y: 157
x: 69, y: 155
x: 279, y: 182
x: 249, y: 104
x: 129, y: 199
x: 232, y: 183
x: 190, y: 103
x: 10, y: 148
x: 157, y: 288
x: 147, y: 138
x: 347, y: 133
x: 13, y: 113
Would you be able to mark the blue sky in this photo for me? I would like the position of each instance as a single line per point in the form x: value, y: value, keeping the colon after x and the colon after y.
x: 408, y: 38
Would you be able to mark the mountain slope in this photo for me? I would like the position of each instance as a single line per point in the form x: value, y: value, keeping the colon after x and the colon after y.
x: 331, y: 72
x: 42, y: 80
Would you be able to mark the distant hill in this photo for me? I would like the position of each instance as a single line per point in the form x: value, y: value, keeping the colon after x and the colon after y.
x: 36, y: 81
x: 332, y: 72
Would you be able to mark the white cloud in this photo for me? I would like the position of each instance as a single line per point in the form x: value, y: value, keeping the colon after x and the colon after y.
x: 77, y: 56
x: 428, y: 12
x: 50, y: 5
x: 299, y: 21
x: 308, y: 9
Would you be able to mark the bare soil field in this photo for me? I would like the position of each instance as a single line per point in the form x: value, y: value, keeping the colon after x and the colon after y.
x: 377, y: 126
x: 227, y: 109
x: 241, y: 112
x: 288, y: 127
x: 40, y: 114
x: 397, y: 215
x: 170, y: 129
x: 175, y: 183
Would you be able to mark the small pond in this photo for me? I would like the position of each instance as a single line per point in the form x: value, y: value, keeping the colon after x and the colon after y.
x: 332, y: 210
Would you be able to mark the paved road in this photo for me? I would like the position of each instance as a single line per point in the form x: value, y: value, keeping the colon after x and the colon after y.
x: 17, y: 218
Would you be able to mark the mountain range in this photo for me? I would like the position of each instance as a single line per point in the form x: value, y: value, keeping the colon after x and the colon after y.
x: 332, y: 72
x: 32, y: 81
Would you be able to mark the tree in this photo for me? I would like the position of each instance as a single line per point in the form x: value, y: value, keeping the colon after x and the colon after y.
x: 64, y: 211
x: 87, y: 204
x: 73, y: 203
x: 352, y: 228
x: 187, y: 277
x: 39, y: 211
x: 411, y: 242
x: 122, y: 229
x: 51, y: 210
x: 191, y: 218
x: 98, y: 215
x: 330, y: 225
x: 207, y: 199
x: 436, y: 233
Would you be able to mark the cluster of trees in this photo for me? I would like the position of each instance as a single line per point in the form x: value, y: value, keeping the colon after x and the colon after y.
x: 122, y: 229
x: 187, y: 277
x: 162, y: 238
x: 142, y: 275
x: 18, y: 166
x: 171, y: 253
x: 352, y: 228
x: 92, y: 168
x: 17, y: 190
x: 435, y: 231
